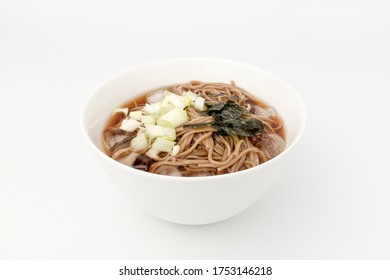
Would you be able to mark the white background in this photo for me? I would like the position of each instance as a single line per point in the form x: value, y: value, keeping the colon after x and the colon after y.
x: 333, y: 202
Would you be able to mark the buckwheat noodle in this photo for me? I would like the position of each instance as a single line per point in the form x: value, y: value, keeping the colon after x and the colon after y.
x: 205, y: 152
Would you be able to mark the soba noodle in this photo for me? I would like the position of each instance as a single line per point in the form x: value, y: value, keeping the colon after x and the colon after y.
x: 203, y: 151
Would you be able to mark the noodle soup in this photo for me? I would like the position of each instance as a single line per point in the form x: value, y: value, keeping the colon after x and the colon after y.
x: 194, y: 129
x: 198, y: 199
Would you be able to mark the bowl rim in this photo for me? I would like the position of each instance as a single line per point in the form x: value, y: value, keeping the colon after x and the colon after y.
x: 198, y: 178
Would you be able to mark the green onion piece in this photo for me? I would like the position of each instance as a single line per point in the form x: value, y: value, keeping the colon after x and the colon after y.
x: 162, y: 145
x: 121, y: 110
x: 136, y: 115
x: 139, y: 143
x: 199, y: 103
x: 165, y: 109
x: 129, y: 124
x: 153, y: 131
x: 176, y: 117
x: 148, y: 120
x: 177, y: 101
x: 175, y: 150
x: 153, y: 154
x: 153, y: 107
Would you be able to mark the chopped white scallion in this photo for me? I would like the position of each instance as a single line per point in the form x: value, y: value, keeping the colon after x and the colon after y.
x: 175, y: 150
x: 153, y: 154
x: 162, y: 145
x: 155, y: 96
x: 148, y: 108
x: 165, y: 101
x: 199, y: 103
x: 156, y: 106
x: 176, y: 117
x: 153, y: 107
x: 148, y: 120
x: 129, y: 124
x: 136, y: 115
x: 161, y: 117
x: 192, y: 96
x: 187, y: 101
x: 176, y: 100
x: 159, y: 145
x: 121, y: 110
x: 167, y: 92
x: 154, y: 131
x: 165, y: 109
x: 139, y: 143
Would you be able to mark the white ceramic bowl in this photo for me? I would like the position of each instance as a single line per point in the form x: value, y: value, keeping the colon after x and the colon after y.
x: 195, y: 200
